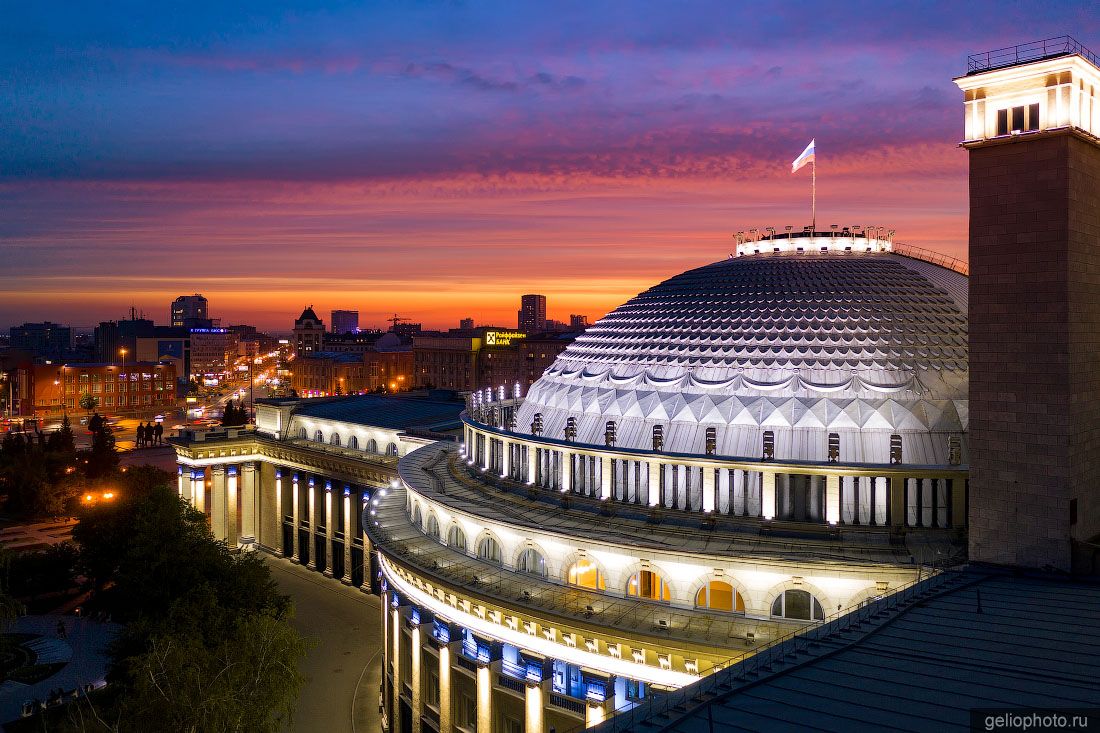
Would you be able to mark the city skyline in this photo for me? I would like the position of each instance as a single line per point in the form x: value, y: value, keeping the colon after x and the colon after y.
x: 568, y: 151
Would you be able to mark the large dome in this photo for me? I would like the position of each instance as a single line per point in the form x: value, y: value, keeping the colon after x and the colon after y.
x: 863, y: 344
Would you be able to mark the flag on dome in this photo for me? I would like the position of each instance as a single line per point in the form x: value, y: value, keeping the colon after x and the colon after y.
x: 806, y: 157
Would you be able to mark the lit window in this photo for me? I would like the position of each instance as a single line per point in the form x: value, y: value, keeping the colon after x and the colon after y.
x: 530, y: 561
x: 1018, y: 119
x: 488, y: 549
x: 649, y: 585
x: 718, y: 595
x: 456, y: 538
x: 798, y: 604
x: 586, y: 574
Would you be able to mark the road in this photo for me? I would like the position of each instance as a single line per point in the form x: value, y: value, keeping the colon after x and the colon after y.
x: 343, y: 671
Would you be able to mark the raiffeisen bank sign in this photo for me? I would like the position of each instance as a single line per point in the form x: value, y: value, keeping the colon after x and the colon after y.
x: 502, y: 338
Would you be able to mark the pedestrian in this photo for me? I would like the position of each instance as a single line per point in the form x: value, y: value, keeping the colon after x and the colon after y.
x: 140, y: 440
x: 160, y: 433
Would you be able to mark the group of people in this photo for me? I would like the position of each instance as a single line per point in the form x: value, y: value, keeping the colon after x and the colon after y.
x: 149, y: 434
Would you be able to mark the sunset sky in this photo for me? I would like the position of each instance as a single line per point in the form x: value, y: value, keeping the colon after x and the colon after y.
x: 439, y: 159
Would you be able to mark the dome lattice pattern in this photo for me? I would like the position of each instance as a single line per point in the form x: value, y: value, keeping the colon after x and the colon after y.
x: 797, y: 344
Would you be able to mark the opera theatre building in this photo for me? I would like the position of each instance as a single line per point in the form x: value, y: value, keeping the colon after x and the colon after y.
x: 745, y: 451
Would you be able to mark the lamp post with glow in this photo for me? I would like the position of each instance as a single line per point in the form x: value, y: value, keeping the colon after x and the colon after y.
x: 126, y: 377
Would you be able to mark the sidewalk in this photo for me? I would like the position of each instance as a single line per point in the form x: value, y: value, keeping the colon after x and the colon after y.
x: 83, y: 650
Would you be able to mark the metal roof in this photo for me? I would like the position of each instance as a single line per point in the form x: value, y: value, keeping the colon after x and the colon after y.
x: 397, y: 413
x: 978, y: 638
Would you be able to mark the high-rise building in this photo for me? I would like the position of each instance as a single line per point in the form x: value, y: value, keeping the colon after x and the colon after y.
x: 309, y: 332
x: 466, y: 324
x: 344, y: 321
x: 532, y: 313
x: 1031, y: 128
x: 578, y: 321
x: 42, y: 340
x: 187, y: 309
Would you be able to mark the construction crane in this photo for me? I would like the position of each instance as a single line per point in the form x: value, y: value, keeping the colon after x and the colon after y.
x: 395, y: 319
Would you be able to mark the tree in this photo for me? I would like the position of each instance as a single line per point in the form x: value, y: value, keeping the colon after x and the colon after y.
x: 63, y: 440
x: 88, y: 402
x: 234, y: 415
x: 102, y: 458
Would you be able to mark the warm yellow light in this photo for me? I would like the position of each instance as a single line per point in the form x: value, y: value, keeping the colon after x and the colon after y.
x: 87, y: 497
x: 109, y: 495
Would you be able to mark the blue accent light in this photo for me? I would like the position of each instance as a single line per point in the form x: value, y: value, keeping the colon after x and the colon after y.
x: 595, y: 690
x: 347, y: 491
x: 414, y: 617
x: 278, y: 473
x: 232, y: 471
x: 179, y: 470
x: 328, y: 486
x: 534, y: 672
x: 441, y: 631
x: 311, y: 484
x: 396, y: 602
x: 295, y: 478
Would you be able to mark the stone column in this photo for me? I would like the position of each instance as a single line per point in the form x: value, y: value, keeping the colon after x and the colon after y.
x: 218, y: 493
x: 710, y: 499
x: 232, y: 483
x: 279, y: 512
x: 328, y: 528
x: 958, y: 502
x: 832, y: 499
x: 767, y: 494
x: 395, y: 635
x: 605, y: 477
x: 179, y: 480
x: 532, y: 463
x: 566, y: 472
x: 198, y: 489
x: 654, y: 487
x: 484, y: 699
x: 294, y: 497
x: 445, y: 689
x: 533, y: 695
x: 896, y: 501
x: 505, y: 458
x: 311, y: 509
x: 364, y: 585
x: 249, y: 503
x: 348, y: 537
x: 414, y: 677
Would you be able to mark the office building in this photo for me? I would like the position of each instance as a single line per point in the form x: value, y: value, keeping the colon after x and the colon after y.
x: 344, y: 321
x: 188, y: 311
x: 532, y: 313
x: 44, y: 341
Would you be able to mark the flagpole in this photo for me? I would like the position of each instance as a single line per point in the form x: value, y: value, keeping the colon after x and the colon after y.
x: 813, y: 195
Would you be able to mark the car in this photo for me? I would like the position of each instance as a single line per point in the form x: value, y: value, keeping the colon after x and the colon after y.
x: 84, y: 420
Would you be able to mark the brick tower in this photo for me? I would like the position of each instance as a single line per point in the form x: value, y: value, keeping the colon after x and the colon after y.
x: 1032, y: 120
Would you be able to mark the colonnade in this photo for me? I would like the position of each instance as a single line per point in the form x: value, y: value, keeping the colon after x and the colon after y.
x: 827, y: 494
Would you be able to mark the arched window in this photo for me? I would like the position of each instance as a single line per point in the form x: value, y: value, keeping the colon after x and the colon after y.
x: 302, y: 435
x: 649, y: 585
x: 391, y: 449
x: 456, y: 538
x: 530, y: 561
x: 488, y: 549
x: 318, y: 437
x: 433, y: 526
x: 334, y: 439
x: 719, y: 595
x: 586, y: 574
x: 417, y: 516
x: 797, y: 604
x: 353, y: 443
x: 372, y: 446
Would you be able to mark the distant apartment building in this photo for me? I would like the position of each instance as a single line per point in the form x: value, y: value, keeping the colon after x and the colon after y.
x: 309, y: 333
x: 45, y: 340
x: 493, y: 358
x: 532, y: 313
x: 466, y: 324
x: 577, y: 321
x: 187, y: 310
x: 324, y: 374
x: 137, y: 387
x: 344, y: 321
x: 213, y: 351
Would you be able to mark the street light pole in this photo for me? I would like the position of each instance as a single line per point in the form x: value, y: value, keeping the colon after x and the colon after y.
x: 126, y: 376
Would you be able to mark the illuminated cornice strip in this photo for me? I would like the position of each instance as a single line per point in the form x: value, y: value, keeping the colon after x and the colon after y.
x: 538, y: 644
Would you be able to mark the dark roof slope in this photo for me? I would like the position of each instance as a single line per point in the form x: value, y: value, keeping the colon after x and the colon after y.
x: 964, y: 640
x: 397, y: 413
x: 307, y: 315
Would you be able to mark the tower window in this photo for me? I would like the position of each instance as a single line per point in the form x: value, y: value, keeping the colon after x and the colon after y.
x: 1024, y: 118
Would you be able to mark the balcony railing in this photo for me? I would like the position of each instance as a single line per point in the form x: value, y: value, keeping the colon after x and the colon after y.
x: 936, y: 258
x: 1026, y: 52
